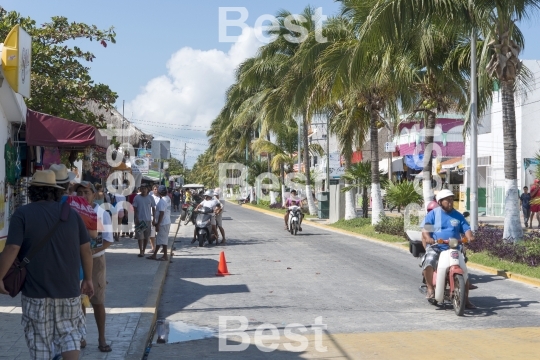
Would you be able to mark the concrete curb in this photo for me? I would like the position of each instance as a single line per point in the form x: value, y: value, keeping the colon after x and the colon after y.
x: 144, y: 330
x: 506, y: 274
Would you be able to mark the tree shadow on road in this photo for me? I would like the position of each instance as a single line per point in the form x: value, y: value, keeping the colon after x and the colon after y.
x: 491, y: 305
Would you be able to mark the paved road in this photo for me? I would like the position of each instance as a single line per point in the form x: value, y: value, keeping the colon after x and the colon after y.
x: 365, y: 292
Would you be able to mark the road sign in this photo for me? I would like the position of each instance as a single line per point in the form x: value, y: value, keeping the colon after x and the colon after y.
x: 389, y: 147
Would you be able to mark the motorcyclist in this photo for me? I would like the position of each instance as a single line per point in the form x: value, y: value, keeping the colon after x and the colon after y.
x: 442, y: 223
x: 293, y: 200
x: 213, y: 204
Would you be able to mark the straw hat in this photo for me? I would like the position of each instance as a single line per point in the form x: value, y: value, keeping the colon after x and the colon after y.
x: 44, y: 178
x: 63, y: 176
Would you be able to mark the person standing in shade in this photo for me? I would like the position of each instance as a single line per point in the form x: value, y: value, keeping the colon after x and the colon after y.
x: 176, y: 200
x: 145, y: 208
x: 99, y: 245
x: 525, y: 201
x: 52, y: 317
x: 162, y: 223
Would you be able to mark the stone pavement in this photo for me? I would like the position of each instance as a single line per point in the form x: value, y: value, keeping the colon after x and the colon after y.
x: 133, y: 290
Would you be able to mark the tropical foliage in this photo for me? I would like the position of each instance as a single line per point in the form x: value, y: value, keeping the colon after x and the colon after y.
x: 422, y: 71
x: 61, y: 81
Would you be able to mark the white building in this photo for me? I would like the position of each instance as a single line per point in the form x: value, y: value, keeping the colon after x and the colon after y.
x: 491, y: 181
x: 12, y: 115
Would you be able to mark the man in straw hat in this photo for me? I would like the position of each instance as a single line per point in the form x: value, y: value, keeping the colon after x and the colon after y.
x: 51, y: 305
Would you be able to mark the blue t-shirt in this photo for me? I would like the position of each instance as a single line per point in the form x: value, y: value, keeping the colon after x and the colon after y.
x: 525, y: 200
x: 443, y: 225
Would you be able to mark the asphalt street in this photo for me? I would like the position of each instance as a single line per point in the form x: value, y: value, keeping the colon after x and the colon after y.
x: 356, y: 286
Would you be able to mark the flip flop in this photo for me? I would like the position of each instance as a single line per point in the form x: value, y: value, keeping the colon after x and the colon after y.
x: 473, y: 287
x: 162, y: 259
x: 140, y: 255
x: 430, y: 295
x: 151, y: 258
x: 83, y: 344
x: 470, y: 306
x: 104, y: 348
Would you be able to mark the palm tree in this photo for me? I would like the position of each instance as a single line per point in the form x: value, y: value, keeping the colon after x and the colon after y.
x: 495, y: 21
x: 427, y: 42
x: 359, y: 175
x: 504, y: 41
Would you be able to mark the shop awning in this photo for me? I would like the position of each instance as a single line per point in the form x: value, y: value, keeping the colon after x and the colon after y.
x: 452, y: 163
x: 414, y: 162
x: 48, y: 130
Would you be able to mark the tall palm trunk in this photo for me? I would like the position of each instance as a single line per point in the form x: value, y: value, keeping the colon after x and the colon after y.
x: 310, y: 201
x: 377, y: 206
x: 429, y: 130
x: 365, y: 202
x: 350, y: 209
x: 512, y: 223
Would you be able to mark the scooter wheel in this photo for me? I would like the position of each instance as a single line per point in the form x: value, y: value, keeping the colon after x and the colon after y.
x: 201, y: 238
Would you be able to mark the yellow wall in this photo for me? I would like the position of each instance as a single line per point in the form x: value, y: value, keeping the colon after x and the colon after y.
x: 2, y: 244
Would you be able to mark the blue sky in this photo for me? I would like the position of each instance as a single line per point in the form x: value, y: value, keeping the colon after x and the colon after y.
x: 168, y: 64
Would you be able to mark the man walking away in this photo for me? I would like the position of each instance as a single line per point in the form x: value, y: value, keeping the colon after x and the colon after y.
x: 52, y: 317
x: 176, y: 200
x: 145, y: 208
x: 99, y: 270
x: 162, y: 224
x: 525, y: 200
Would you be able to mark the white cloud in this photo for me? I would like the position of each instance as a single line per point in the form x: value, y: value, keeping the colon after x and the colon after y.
x: 192, y: 93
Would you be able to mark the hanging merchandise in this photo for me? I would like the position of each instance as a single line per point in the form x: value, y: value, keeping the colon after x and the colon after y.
x: 2, y: 205
x: 10, y: 155
x: 87, y: 160
x: 100, y: 166
x: 51, y: 155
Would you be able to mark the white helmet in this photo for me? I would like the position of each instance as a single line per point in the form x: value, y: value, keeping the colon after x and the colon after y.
x: 444, y: 194
x: 209, y: 193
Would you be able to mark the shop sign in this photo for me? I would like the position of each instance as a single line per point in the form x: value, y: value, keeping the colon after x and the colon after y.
x: 140, y: 165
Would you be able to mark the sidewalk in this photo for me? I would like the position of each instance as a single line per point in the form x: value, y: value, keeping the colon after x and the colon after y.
x: 133, y: 290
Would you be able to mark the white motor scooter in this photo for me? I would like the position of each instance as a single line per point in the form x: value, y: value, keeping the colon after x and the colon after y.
x: 294, y: 219
x: 450, y: 277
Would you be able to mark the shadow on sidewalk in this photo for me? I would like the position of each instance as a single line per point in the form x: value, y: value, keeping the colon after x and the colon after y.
x: 209, y: 349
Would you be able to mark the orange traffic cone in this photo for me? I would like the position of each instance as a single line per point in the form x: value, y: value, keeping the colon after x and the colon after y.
x: 222, y: 267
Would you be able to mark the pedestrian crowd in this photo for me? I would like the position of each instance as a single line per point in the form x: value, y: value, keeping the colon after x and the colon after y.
x: 66, y: 229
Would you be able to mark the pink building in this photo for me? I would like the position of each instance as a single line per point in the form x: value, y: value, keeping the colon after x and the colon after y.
x: 448, y: 137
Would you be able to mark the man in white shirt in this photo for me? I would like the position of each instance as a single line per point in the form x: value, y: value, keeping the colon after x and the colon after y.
x: 156, y: 197
x: 162, y: 223
x: 99, y: 246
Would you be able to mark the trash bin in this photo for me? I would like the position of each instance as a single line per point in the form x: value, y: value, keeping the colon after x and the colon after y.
x: 324, y: 205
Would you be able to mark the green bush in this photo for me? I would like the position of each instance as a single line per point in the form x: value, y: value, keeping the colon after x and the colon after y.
x: 391, y: 226
x: 264, y: 203
x: 403, y: 194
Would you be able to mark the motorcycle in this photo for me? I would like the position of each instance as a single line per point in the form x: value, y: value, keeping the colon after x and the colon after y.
x: 187, y: 213
x: 203, y: 226
x: 450, y: 277
x: 294, y: 219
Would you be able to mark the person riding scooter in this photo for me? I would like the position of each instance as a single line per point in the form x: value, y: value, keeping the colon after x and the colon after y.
x: 442, y: 223
x: 208, y: 202
x: 293, y: 201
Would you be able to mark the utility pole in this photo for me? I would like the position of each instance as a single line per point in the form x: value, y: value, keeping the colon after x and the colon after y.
x: 473, y: 169
x: 184, y: 160
x: 327, y: 187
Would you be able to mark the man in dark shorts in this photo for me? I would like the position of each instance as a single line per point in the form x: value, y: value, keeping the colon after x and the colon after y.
x: 145, y: 209
x: 52, y: 317
x: 525, y: 201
